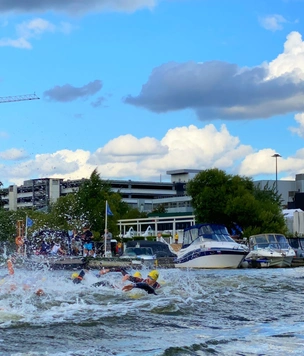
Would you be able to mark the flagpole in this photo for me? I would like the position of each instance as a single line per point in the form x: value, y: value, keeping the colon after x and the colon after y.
x: 106, y: 228
x: 25, y: 235
x: 25, y: 227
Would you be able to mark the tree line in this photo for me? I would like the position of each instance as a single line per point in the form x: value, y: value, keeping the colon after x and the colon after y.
x: 216, y: 197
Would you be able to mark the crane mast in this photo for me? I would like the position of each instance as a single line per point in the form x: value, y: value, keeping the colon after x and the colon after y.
x: 10, y: 99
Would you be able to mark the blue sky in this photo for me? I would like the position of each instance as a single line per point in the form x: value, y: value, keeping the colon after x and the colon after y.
x: 139, y: 87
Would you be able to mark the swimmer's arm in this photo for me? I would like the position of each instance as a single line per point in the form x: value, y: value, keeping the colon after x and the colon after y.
x: 140, y: 285
x: 107, y: 270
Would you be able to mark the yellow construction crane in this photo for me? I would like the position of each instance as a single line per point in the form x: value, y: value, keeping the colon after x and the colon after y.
x: 10, y: 99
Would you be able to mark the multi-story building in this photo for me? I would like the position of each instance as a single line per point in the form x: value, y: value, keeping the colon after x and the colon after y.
x: 39, y: 193
x: 144, y: 195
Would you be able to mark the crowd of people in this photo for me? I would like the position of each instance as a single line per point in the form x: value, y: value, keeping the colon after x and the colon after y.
x: 79, y: 244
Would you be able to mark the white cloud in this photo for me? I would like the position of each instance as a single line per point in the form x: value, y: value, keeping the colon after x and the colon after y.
x: 262, y: 162
x: 272, y: 22
x: 18, y: 43
x: 33, y: 29
x: 291, y: 61
x: 13, y: 154
x: 128, y: 157
x: 300, y: 129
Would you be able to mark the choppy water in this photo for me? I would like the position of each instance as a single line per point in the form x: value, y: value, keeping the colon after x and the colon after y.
x: 206, y: 312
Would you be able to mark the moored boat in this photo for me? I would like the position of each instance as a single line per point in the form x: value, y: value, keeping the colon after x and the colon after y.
x: 269, y: 250
x: 209, y: 246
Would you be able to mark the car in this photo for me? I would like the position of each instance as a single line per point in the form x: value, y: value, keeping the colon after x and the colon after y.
x: 159, y: 249
x: 145, y: 254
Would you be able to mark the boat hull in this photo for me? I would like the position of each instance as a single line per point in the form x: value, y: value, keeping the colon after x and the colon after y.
x: 270, y: 261
x: 211, y: 259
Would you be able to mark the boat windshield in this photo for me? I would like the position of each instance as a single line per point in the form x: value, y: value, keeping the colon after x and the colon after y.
x: 208, y: 232
x: 272, y: 241
x: 137, y: 251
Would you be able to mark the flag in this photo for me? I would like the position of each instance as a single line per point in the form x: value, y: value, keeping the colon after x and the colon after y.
x: 109, y: 212
x: 29, y: 222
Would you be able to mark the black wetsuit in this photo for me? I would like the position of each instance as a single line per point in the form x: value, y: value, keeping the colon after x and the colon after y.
x: 102, y: 283
x: 145, y: 286
x: 142, y: 284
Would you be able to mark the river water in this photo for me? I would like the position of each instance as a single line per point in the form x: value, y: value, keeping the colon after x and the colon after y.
x: 203, y: 312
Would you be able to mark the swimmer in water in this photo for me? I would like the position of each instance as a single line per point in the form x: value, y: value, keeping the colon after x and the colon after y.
x: 10, y: 267
x: 149, y: 284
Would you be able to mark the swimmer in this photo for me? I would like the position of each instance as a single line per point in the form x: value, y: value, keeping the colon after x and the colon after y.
x: 78, y: 277
x: 136, y: 278
x: 149, y: 284
x: 25, y: 286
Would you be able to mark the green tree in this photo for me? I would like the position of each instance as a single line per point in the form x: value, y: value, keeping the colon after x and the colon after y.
x: 88, y: 206
x: 8, y: 223
x: 159, y: 209
x: 218, y: 197
x: 2, y: 193
x: 91, y: 201
x: 64, y: 213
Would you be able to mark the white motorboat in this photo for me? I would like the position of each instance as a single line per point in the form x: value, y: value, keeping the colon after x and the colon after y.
x: 269, y: 250
x: 209, y: 246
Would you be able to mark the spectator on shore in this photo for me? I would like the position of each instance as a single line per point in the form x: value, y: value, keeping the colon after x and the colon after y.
x: 56, y: 249
x: 88, y: 244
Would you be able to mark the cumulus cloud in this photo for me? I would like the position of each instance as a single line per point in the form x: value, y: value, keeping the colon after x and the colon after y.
x: 13, y: 154
x: 262, y: 162
x: 290, y: 62
x: 221, y: 90
x: 272, y: 22
x: 33, y: 29
x: 128, y: 148
x: 128, y: 157
x: 299, y: 131
x: 67, y: 92
x: 61, y: 164
x: 72, y: 6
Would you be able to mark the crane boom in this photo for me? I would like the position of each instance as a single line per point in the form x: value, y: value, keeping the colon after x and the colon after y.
x: 10, y: 99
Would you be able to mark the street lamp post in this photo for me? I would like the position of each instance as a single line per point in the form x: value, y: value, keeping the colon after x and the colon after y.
x: 276, y: 155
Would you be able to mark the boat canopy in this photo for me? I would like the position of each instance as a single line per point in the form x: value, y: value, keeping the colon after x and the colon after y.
x: 207, y: 232
x: 273, y: 241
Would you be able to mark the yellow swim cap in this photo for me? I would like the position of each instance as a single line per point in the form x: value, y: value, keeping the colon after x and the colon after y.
x: 74, y: 275
x: 137, y: 274
x: 154, y: 275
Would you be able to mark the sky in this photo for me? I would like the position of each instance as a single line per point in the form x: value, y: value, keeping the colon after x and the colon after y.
x: 136, y: 88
